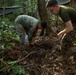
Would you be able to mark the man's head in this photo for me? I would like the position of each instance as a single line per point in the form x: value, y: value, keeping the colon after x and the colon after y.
x: 42, y: 24
x: 52, y: 5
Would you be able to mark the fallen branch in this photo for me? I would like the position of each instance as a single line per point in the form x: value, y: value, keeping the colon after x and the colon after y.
x: 19, y: 60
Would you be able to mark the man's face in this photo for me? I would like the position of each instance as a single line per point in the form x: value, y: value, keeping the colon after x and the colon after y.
x: 39, y: 26
x: 53, y: 9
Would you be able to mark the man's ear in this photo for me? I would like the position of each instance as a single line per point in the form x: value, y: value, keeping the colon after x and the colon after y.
x: 56, y: 5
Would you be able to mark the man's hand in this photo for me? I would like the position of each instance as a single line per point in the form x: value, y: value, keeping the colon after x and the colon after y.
x: 61, y: 36
x: 34, y: 42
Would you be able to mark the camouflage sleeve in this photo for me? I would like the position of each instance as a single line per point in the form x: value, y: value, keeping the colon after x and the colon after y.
x: 32, y: 33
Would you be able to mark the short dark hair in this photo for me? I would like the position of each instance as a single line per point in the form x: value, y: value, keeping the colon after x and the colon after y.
x: 43, y: 24
x: 51, y: 3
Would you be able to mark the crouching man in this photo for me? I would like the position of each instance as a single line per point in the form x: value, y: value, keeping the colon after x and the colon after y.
x: 28, y: 25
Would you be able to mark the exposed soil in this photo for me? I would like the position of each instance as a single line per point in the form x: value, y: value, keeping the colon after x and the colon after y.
x: 43, y: 58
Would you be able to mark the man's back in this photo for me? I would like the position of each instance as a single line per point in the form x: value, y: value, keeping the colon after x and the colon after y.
x: 67, y: 13
x: 27, y: 21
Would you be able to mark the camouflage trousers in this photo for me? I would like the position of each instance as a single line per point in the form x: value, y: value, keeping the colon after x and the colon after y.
x: 68, y: 42
x: 21, y: 32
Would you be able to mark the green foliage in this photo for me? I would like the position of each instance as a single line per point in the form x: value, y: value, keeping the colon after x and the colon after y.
x: 7, y: 32
x: 11, y: 62
x: 2, y: 65
x: 15, y: 69
x: 6, y: 3
x: 18, y: 70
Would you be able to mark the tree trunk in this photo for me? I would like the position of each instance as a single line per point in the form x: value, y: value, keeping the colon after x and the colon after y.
x: 43, y: 14
x: 4, y: 10
x: 72, y: 3
x: 23, y: 4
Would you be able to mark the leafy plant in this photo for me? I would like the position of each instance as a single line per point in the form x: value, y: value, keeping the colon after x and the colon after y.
x: 18, y: 70
x: 7, y: 32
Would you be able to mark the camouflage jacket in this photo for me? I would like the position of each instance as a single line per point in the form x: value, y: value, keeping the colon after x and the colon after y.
x: 29, y: 23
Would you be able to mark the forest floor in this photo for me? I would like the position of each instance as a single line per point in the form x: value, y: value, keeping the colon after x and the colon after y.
x: 43, y: 58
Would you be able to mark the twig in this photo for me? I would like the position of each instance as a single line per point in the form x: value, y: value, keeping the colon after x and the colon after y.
x: 3, y: 61
x: 7, y: 67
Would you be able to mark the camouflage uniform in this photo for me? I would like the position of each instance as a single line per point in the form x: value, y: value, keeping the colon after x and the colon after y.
x: 25, y: 24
